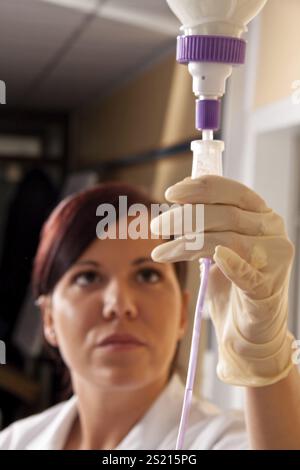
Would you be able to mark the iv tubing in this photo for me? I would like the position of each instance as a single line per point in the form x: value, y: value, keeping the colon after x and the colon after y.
x: 205, y: 265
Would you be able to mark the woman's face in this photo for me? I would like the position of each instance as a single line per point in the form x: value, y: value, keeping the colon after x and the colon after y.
x: 114, y: 287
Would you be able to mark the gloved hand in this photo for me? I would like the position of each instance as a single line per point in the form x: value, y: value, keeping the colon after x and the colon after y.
x: 248, y: 284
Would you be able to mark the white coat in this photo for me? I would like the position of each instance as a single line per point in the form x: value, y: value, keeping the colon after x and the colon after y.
x: 209, y: 428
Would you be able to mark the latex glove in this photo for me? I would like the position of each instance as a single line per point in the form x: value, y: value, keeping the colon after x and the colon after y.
x: 248, y: 284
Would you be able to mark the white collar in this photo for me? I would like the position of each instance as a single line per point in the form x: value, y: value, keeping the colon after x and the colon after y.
x: 164, y: 414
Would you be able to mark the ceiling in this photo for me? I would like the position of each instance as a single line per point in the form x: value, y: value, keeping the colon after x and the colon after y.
x: 62, y: 54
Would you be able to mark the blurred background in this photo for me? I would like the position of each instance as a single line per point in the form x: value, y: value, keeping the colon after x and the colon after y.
x: 93, y: 93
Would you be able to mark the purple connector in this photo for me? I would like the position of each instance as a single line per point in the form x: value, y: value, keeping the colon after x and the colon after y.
x: 208, y: 115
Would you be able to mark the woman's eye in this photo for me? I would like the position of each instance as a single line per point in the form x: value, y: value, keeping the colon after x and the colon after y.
x: 87, y: 278
x: 149, y: 275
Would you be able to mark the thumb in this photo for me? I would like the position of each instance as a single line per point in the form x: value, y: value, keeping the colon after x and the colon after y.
x: 236, y: 269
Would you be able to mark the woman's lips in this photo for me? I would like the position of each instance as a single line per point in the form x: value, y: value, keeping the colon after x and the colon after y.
x: 120, y: 339
x: 114, y: 346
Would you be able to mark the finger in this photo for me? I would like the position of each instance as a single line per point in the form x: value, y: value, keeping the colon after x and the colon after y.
x: 213, y: 189
x: 236, y: 269
x: 189, y: 218
x: 254, y: 250
x: 189, y: 247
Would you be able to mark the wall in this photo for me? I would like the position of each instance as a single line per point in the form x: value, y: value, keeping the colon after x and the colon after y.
x: 278, y: 58
x: 153, y: 111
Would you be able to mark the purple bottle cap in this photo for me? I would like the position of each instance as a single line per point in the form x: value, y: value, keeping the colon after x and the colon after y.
x: 206, y: 48
x: 208, y: 115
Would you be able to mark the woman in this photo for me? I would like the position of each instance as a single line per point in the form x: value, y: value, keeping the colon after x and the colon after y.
x: 128, y: 396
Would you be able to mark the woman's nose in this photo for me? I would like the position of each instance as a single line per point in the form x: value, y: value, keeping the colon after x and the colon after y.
x: 118, y: 301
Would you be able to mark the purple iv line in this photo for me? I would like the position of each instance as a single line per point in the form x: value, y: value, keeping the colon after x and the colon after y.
x: 188, y: 394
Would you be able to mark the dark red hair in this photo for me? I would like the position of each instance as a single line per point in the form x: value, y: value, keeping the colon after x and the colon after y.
x: 71, y: 227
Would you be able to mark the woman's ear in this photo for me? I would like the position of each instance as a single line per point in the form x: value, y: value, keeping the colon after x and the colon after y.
x: 45, y: 304
x: 184, y: 312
